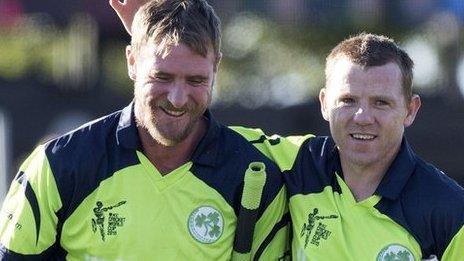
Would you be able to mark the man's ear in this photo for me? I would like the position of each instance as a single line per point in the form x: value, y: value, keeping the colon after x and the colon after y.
x: 413, y: 108
x: 217, y: 62
x: 323, y: 102
x: 131, y: 65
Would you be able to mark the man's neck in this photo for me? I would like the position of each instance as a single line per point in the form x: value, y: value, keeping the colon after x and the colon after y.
x: 363, y: 180
x: 169, y: 158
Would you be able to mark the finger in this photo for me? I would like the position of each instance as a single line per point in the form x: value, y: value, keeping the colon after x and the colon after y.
x: 115, y: 4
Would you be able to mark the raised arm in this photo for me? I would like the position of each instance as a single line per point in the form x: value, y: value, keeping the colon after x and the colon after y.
x: 126, y: 11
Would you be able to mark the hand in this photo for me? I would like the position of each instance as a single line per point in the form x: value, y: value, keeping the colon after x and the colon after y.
x: 126, y: 11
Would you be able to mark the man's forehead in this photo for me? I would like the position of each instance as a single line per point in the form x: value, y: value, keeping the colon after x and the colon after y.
x: 180, y: 60
x: 164, y: 47
x: 345, y: 71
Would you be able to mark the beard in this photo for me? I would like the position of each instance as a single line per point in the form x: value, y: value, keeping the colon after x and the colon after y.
x: 164, y: 129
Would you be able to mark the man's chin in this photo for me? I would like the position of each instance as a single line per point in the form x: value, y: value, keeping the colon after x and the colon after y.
x: 168, y: 139
x: 171, y: 141
x: 364, y: 160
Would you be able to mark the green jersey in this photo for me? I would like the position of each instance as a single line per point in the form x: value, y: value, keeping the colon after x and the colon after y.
x: 416, y: 213
x: 93, y: 195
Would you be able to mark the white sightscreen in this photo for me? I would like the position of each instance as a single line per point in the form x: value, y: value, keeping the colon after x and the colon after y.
x: 4, y: 156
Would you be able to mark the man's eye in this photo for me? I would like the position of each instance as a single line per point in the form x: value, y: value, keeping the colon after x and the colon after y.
x: 381, y: 103
x: 196, y: 82
x: 347, y: 101
x: 161, y: 78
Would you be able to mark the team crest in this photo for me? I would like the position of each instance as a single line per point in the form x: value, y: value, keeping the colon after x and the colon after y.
x: 206, y: 224
x: 395, y: 252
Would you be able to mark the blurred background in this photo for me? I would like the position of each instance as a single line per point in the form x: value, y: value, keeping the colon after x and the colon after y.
x: 62, y: 63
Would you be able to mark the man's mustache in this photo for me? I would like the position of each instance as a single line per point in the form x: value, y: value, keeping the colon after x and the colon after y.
x: 165, y: 104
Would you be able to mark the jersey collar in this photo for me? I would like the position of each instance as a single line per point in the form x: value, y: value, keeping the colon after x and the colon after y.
x: 205, y: 153
x: 208, y: 148
x: 126, y: 133
x: 398, y: 173
x: 396, y: 176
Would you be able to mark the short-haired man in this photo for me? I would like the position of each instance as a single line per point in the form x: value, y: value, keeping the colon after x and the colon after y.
x: 160, y: 179
x: 363, y: 194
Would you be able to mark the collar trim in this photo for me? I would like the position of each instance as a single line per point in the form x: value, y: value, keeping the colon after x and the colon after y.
x: 126, y: 132
x: 396, y: 176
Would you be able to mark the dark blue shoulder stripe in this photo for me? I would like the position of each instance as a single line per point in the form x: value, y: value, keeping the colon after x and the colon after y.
x: 33, y: 202
x: 314, y: 168
x: 430, y: 207
x: 83, y: 158
x: 281, y: 224
x: 234, y: 155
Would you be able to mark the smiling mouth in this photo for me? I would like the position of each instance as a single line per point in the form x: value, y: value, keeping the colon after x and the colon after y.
x: 363, y: 137
x: 173, y: 113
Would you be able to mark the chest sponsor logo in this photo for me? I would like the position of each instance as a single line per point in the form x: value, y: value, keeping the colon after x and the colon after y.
x: 107, y: 220
x: 315, y: 229
x: 395, y: 252
x: 206, y: 224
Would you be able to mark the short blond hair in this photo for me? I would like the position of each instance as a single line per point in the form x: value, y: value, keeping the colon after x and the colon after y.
x: 168, y: 23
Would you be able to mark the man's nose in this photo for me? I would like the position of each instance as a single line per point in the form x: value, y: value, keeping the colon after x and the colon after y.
x: 178, y: 95
x: 363, y: 116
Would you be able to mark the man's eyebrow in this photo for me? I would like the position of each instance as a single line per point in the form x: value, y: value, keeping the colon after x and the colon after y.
x: 198, y: 76
x: 383, y: 97
x: 346, y: 95
x: 158, y: 72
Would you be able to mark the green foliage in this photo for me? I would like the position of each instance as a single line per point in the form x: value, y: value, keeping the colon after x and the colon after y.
x: 114, y: 69
x: 24, y: 49
x: 266, y: 62
x: 13, y: 62
x: 262, y: 66
x: 36, y: 48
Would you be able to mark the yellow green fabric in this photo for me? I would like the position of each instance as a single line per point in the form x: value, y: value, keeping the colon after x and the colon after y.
x: 328, y: 223
x: 131, y: 218
x: 455, y: 250
x: 333, y: 226
x: 17, y: 224
x: 282, y: 150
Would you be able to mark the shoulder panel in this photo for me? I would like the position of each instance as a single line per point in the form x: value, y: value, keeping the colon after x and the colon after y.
x: 28, y: 221
x: 234, y: 155
x: 82, y: 158
x: 454, y: 249
x: 431, y: 208
x: 314, y: 168
x: 281, y: 150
